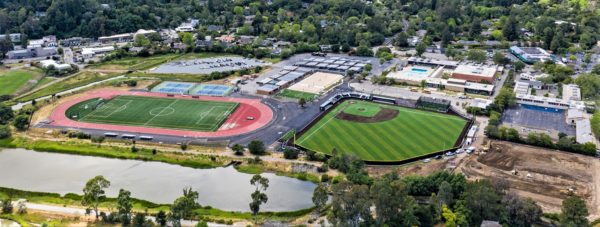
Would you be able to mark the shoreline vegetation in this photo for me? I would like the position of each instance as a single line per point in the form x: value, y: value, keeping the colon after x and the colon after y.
x: 204, y: 213
x: 243, y: 164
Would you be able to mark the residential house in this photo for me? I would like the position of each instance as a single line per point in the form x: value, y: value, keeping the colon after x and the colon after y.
x: 14, y: 37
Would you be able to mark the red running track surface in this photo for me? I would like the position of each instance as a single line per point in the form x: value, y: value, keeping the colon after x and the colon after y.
x: 236, y: 124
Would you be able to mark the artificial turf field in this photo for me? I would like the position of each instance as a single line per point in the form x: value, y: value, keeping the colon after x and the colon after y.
x: 155, y: 112
x: 411, y: 133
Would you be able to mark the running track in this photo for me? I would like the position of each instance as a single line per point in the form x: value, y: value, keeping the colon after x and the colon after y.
x: 236, y: 124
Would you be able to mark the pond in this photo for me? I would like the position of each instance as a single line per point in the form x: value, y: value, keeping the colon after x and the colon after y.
x: 223, y: 188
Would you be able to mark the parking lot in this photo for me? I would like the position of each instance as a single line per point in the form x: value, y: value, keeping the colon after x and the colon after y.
x: 208, y: 65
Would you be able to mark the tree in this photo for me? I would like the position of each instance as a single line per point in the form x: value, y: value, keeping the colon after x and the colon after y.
x: 476, y: 55
x: 320, y: 196
x: 499, y: 58
x: 350, y: 204
x: 574, y: 212
x: 238, y: 149
x: 7, y: 207
x: 482, y: 201
x: 139, y: 220
x: 187, y: 39
x: 302, y: 102
x: 21, y: 207
x: 519, y: 66
x: 161, y: 218
x: 510, y: 31
x: 256, y: 147
x: 21, y: 122
x: 124, y: 206
x: 93, y: 193
x: 475, y: 29
x: 202, y: 224
x: 6, y: 114
x: 183, y: 206
x: 364, y: 51
x: 5, y: 46
x: 420, y: 48
x: 445, y: 193
x: 401, y: 40
x: 98, y: 139
x: 141, y: 41
x: 258, y: 196
x: 521, y: 212
x: 449, y: 216
x: 4, y: 132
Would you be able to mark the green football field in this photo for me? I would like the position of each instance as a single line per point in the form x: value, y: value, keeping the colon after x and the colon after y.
x: 154, y: 112
x: 408, y: 134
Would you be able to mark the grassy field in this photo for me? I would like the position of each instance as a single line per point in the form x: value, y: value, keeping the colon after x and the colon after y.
x: 410, y: 133
x: 154, y: 112
x: 135, y: 63
x: 298, y: 95
x: 12, y: 80
x: 77, y: 80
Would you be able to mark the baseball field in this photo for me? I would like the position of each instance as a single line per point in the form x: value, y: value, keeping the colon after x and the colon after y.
x: 380, y: 132
x: 155, y: 112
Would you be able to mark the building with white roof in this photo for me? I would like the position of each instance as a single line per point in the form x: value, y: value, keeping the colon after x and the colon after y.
x: 531, y: 55
x: 475, y: 73
x: 57, y: 66
x: 91, y: 52
x: 571, y: 92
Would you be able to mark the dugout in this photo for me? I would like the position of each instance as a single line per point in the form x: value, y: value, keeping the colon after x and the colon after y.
x: 435, y: 104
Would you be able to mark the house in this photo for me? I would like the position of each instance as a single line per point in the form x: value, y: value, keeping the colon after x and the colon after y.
x: 246, y: 39
x: 490, y: 224
x: 226, y: 38
x: 533, y: 84
x: 214, y: 28
x: 14, y: 37
x: 249, y: 19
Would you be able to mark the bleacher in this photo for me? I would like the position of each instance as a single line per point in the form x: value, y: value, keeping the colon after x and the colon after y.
x: 435, y: 104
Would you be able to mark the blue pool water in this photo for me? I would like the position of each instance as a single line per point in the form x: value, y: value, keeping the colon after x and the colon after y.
x: 417, y: 70
x: 544, y: 109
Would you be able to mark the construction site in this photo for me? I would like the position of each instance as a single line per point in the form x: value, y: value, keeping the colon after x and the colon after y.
x: 546, y: 176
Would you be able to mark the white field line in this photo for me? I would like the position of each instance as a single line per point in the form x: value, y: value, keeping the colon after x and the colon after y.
x: 319, y: 128
x: 225, y: 114
x: 105, y: 107
x: 203, y: 115
x: 158, y: 114
x: 118, y: 109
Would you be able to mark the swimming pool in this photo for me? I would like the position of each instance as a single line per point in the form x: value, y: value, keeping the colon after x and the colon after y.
x: 418, y: 70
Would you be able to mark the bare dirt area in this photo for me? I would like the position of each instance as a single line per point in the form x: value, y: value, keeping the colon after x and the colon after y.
x: 546, y: 176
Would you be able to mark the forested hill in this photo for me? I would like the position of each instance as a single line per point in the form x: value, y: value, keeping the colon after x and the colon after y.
x: 350, y: 22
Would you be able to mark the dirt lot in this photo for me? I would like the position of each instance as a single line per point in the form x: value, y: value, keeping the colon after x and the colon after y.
x: 547, y: 176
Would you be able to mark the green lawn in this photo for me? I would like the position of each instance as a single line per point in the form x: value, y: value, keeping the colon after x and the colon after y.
x: 11, y: 81
x: 154, y: 112
x: 298, y: 95
x: 410, y: 134
x: 77, y: 80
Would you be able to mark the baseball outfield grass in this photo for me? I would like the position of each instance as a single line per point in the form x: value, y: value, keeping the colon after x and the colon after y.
x: 154, y: 112
x: 398, y: 134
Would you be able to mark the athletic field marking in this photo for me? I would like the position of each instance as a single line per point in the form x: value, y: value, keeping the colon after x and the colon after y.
x: 204, y: 114
x: 159, y: 113
x: 321, y: 126
x: 108, y: 106
x: 226, y: 114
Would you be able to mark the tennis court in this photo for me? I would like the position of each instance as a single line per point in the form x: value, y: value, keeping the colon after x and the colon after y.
x: 173, y: 87
x: 212, y: 90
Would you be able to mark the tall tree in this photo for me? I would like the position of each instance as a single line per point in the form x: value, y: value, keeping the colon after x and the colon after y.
x: 521, y: 212
x: 350, y: 204
x: 258, y: 196
x: 93, y: 193
x: 320, y: 196
x: 183, y: 206
x: 574, y: 213
x: 124, y: 206
x: 511, y: 29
